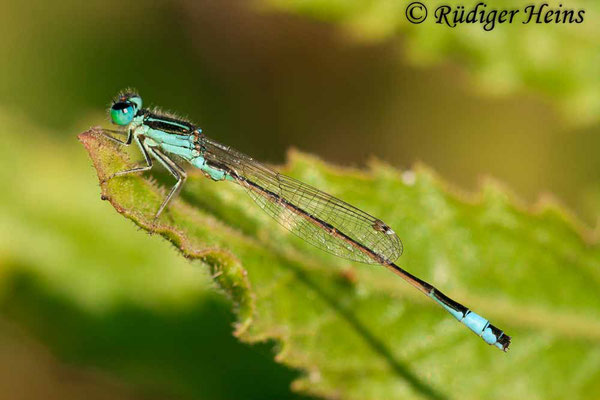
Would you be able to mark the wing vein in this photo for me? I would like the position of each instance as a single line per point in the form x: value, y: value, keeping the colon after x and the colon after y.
x: 315, y: 216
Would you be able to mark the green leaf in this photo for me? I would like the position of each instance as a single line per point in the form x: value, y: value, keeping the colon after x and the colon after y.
x: 357, y: 331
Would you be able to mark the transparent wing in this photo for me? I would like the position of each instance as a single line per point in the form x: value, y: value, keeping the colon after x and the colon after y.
x: 320, y: 219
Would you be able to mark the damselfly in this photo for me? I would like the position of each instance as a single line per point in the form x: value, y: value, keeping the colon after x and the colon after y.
x: 322, y: 220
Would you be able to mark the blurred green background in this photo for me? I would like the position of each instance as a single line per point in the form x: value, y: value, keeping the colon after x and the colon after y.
x: 335, y: 79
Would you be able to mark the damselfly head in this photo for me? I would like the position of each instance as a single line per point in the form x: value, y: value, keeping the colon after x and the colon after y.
x: 124, y: 108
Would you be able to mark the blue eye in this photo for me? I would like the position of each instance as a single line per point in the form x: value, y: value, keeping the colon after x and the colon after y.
x: 122, y: 113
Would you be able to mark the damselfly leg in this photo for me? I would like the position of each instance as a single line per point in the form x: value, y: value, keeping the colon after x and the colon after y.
x: 167, y: 162
x: 175, y: 170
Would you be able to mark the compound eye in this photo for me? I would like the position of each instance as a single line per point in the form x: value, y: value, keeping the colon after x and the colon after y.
x: 122, y: 112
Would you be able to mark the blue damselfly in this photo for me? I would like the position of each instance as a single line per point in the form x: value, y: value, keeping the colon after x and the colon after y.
x: 322, y: 220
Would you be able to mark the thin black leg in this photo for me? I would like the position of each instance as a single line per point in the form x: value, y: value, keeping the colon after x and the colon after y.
x: 140, y: 141
x: 125, y: 142
x: 175, y: 170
